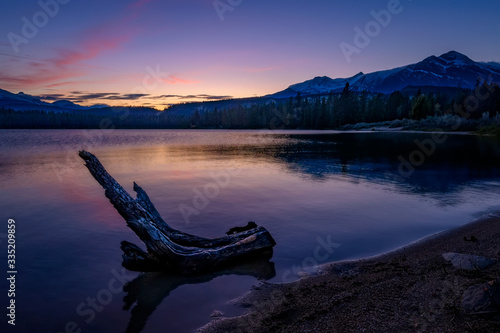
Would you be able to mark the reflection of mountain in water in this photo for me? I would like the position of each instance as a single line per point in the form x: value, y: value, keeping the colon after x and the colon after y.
x: 376, y: 157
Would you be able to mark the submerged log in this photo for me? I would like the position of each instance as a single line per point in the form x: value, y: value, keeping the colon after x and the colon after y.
x: 168, y: 249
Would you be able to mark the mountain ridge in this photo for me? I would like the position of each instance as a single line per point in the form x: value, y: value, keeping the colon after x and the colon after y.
x: 449, y: 70
x: 22, y: 102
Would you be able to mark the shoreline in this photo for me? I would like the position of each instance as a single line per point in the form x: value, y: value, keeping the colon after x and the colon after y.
x: 409, y: 289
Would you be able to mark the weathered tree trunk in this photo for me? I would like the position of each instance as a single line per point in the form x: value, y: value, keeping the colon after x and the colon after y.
x: 169, y: 249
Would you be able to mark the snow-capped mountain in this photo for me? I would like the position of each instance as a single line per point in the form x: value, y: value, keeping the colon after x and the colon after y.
x: 22, y: 102
x: 451, y: 69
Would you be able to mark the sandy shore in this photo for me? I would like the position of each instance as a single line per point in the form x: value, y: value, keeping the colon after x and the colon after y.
x: 412, y: 289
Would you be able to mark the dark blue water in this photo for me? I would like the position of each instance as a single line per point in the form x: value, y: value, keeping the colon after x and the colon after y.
x: 324, y: 196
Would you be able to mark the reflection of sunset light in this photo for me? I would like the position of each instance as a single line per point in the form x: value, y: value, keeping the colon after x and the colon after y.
x: 270, y: 175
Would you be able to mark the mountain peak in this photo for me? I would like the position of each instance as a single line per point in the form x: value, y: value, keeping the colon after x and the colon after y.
x: 321, y: 78
x: 454, y: 56
x: 64, y: 102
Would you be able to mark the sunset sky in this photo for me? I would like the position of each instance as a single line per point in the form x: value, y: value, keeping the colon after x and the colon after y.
x: 157, y: 52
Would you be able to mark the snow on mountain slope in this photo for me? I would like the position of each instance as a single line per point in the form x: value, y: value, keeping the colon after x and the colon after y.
x: 321, y: 84
x: 451, y: 69
x: 492, y: 65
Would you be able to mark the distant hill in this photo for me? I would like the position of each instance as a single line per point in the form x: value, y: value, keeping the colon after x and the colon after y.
x: 25, y: 102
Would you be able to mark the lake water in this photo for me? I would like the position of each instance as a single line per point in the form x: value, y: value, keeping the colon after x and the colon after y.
x: 307, y: 188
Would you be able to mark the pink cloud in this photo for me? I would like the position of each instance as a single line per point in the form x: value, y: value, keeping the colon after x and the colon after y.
x: 171, y: 79
x: 61, y: 84
x: 62, y: 66
x: 39, y: 75
x: 92, y: 49
x: 68, y: 67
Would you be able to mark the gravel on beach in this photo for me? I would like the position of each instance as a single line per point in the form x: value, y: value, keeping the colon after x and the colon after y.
x: 412, y: 289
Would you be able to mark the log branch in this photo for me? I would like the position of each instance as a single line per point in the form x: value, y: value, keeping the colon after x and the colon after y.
x: 169, y: 249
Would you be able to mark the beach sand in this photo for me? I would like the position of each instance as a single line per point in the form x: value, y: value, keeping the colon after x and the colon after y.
x: 412, y: 289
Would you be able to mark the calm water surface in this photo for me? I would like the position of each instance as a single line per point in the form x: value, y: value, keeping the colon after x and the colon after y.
x: 305, y: 187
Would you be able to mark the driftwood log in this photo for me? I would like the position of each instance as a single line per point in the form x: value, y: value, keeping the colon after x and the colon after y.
x: 169, y: 249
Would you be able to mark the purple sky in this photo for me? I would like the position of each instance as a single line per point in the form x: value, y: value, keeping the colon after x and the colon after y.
x: 155, y: 52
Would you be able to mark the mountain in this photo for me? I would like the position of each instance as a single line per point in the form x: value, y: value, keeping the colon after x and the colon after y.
x: 25, y: 102
x: 446, y: 73
x: 451, y: 69
x: 316, y: 86
x: 63, y: 103
x: 492, y: 64
x: 7, y: 98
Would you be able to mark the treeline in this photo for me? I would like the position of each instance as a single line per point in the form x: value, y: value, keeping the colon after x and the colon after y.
x: 109, y: 118
x: 336, y: 110
x: 333, y: 111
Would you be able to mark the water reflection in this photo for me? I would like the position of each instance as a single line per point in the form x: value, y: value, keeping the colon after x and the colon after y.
x: 148, y: 290
x: 376, y: 157
x: 299, y: 186
x: 371, y: 157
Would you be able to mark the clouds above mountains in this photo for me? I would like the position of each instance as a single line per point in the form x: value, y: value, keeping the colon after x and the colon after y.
x: 83, y: 97
x: 199, y: 96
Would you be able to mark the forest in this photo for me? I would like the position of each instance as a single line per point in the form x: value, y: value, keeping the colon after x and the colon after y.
x: 478, y: 108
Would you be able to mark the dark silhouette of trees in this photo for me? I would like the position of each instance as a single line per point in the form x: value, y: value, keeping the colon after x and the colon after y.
x: 332, y: 110
x: 421, y: 107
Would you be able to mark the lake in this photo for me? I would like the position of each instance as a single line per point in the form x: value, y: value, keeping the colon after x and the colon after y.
x: 324, y: 196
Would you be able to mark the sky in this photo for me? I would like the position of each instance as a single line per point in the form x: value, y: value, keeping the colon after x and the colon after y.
x: 158, y: 52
